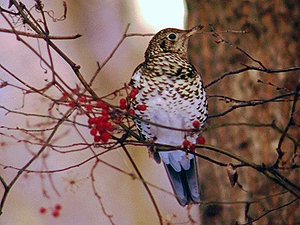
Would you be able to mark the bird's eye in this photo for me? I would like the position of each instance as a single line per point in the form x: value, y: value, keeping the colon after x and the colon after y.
x: 172, y: 36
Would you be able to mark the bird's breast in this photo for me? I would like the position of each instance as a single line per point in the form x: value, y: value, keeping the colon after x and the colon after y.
x: 169, y: 102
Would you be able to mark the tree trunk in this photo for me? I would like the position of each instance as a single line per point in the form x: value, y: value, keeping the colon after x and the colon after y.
x: 272, y: 38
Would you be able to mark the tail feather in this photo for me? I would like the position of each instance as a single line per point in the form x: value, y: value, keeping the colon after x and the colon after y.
x: 185, y: 183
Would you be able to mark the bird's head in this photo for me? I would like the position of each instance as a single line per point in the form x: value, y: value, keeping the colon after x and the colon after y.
x: 170, y: 40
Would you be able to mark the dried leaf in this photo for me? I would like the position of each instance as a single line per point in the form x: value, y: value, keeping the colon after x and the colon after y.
x: 232, y: 174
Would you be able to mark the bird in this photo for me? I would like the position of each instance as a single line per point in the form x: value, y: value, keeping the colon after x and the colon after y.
x: 172, y: 93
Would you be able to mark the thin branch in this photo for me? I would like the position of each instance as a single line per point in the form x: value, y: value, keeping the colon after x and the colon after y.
x: 249, y: 68
x: 41, y: 36
x: 39, y: 31
x: 110, y: 56
x: 289, y: 124
x: 221, y: 40
x: 269, y: 211
x: 37, y: 54
x: 103, y: 209
x: 272, y: 125
x: 40, y: 116
x: 268, y: 172
x: 251, y: 103
x: 45, y: 145
x: 144, y: 183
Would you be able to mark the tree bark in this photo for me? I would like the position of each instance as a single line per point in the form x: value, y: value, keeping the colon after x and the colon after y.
x: 272, y: 38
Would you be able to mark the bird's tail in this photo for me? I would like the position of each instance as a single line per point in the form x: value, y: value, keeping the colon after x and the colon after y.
x: 185, y: 183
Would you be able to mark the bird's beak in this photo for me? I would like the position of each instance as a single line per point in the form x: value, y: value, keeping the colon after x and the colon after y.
x: 191, y: 32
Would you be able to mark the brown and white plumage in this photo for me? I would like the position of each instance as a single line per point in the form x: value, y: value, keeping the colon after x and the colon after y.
x: 174, y: 96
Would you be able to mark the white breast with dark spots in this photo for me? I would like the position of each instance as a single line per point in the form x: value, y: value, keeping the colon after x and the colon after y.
x: 170, y: 102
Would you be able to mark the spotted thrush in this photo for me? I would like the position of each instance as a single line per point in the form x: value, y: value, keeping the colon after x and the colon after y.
x: 172, y: 91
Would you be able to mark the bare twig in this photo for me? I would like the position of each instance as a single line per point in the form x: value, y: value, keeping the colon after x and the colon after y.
x: 289, y: 124
x: 249, y: 68
x: 144, y: 183
x: 251, y: 103
x: 109, y: 57
x: 222, y: 40
x: 269, y: 211
x: 20, y: 172
x: 51, y: 37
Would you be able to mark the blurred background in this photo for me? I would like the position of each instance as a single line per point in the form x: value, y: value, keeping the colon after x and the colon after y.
x: 272, y: 39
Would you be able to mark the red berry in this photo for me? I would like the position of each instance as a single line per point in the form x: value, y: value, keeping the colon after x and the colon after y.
x: 95, y: 120
x: 93, y: 131
x: 123, y: 101
x: 192, y: 147
x: 43, y: 210
x: 57, y: 207
x: 122, y: 107
x: 141, y: 107
x: 117, y: 120
x: 104, y: 118
x: 108, y: 126
x: 105, y: 106
x: 92, y: 120
x: 100, y: 125
x: 72, y: 104
x: 82, y: 99
x: 196, y: 124
x: 55, y: 213
x: 201, y: 140
x: 104, y: 112
x: 133, y: 93
x: 131, y: 112
x: 100, y: 104
x: 101, y: 129
x: 97, y: 138
x: 99, y: 119
x: 89, y: 107
x: 105, y: 137
x: 186, y: 143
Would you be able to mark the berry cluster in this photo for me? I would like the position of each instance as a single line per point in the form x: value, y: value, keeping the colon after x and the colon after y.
x: 101, y: 125
x: 55, y: 211
x: 124, y: 102
x: 200, y: 140
x: 103, y: 117
x: 188, y: 145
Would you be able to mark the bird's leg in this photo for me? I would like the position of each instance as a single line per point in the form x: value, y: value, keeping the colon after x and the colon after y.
x: 153, y: 151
